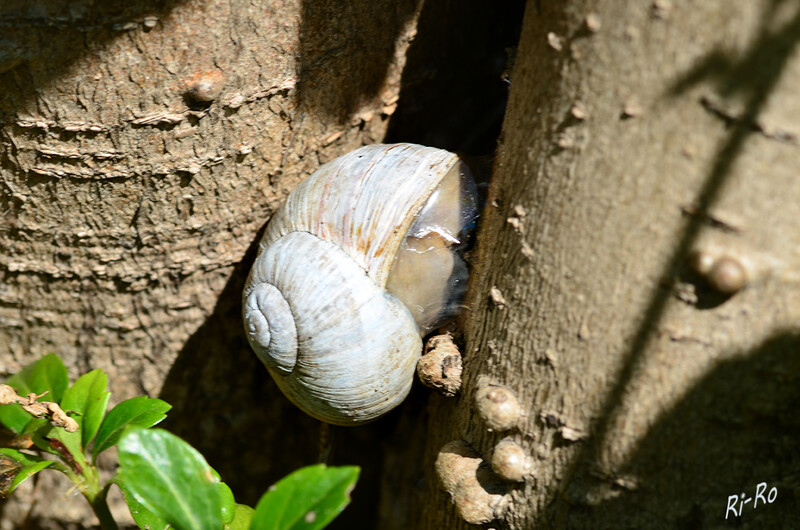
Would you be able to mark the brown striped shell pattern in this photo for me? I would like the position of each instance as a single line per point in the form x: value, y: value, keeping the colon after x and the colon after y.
x: 360, y: 263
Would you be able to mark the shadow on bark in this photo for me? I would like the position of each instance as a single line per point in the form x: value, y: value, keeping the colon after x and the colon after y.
x: 226, y: 406
x: 41, y: 39
x: 752, y: 75
x: 453, y: 93
x: 225, y: 403
x: 684, y: 471
x: 346, y: 49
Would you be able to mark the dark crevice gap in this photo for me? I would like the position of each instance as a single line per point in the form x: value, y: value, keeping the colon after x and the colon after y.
x: 453, y: 96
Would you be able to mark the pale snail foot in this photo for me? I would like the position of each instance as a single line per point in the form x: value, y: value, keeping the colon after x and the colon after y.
x: 440, y: 367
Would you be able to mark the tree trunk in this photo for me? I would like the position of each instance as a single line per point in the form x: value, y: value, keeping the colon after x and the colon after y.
x: 143, y: 147
x: 636, y: 285
x: 635, y: 280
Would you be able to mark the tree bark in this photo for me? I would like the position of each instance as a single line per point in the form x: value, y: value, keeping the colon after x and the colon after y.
x: 645, y: 173
x: 636, y: 284
x: 144, y: 145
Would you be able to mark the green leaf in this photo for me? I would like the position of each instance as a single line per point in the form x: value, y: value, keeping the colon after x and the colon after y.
x: 40, y: 428
x: 19, y: 381
x: 69, y: 449
x: 46, y: 374
x: 14, y: 418
x: 170, y: 478
x: 140, y: 411
x: 16, y: 467
x: 144, y: 518
x: 227, y: 502
x: 242, y: 517
x: 309, y: 498
x: 86, y: 402
x: 88, y: 398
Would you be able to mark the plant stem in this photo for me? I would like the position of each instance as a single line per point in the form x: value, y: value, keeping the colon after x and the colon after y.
x: 100, y: 508
x: 89, y: 484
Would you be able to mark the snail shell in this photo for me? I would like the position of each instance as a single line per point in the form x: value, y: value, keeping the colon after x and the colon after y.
x: 358, y: 265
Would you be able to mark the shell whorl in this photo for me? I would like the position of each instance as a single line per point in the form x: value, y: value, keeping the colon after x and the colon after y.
x: 315, y: 306
x: 351, y: 360
x: 270, y: 326
x: 364, y: 201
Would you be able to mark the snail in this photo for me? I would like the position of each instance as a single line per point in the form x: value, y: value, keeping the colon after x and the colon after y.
x: 361, y: 262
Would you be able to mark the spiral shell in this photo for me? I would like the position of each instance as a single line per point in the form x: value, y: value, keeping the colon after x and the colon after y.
x: 323, y: 304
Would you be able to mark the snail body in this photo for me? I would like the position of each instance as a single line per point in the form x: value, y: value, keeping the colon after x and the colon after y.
x: 356, y: 267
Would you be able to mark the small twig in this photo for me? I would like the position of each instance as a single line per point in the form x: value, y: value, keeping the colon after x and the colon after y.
x: 38, y: 409
x: 731, y: 116
x: 716, y: 222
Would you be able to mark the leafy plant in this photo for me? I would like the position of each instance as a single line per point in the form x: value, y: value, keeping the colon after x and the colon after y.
x: 166, y: 482
x: 308, y: 498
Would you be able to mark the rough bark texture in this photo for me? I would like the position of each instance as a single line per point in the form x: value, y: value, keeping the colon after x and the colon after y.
x: 636, y: 134
x: 133, y: 195
x: 129, y: 205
